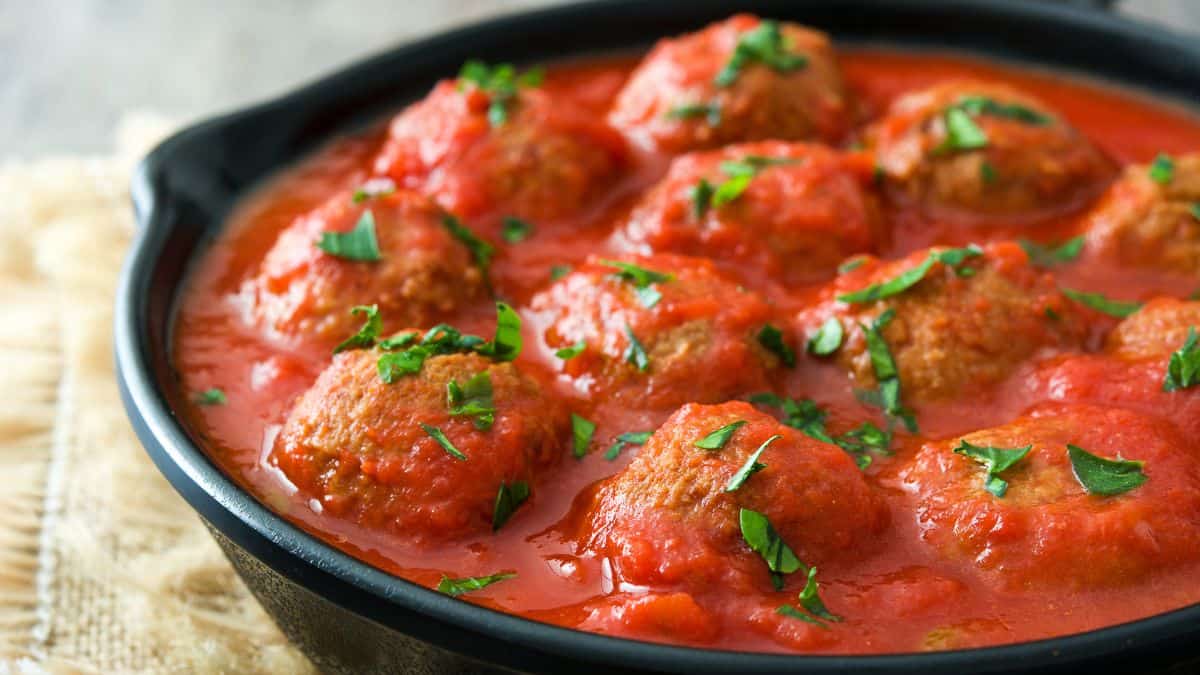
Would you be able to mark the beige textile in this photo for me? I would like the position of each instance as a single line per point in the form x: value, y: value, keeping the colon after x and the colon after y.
x: 103, y: 568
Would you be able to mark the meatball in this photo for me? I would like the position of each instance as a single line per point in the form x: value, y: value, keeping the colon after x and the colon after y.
x: 545, y: 161
x: 669, y: 518
x: 1046, y: 530
x: 423, y: 273
x: 803, y: 212
x: 360, y: 449
x: 644, y: 343
x: 980, y: 151
x: 1143, y: 222
x: 741, y: 79
x: 1156, y: 330
x: 961, y: 327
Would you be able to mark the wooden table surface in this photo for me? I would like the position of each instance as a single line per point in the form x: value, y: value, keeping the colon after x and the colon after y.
x: 70, y: 68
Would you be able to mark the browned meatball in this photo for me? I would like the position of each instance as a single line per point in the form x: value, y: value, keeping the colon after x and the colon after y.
x: 960, y: 328
x: 546, y: 159
x: 1143, y: 222
x: 647, y: 350
x: 359, y: 447
x: 805, y: 210
x: 685, y: 94
x: 670, y: 516
x: 980, y: 151
x: 1157, y: 329
x: 423, y: 273
x: 1045, y: 529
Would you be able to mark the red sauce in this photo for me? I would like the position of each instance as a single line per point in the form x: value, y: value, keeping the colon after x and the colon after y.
x: 903, y: 596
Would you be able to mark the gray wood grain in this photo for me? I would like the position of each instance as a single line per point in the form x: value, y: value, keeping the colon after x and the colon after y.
x: 69, y: 68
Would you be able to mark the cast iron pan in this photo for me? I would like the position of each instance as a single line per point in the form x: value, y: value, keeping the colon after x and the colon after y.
x: 352, y: 618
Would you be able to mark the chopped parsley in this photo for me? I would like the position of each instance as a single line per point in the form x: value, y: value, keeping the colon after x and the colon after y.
x: 559, y: 271
x: 627, y: 438
x: 582, y: 431
x: 701, y: 196
x: 762, y: 538
x: 717, y: 439
x: 814, y: 608
x: 764, y: 44
x: 456, y: 587
x: 1194, y: 209
x: 982, y: 105
x: 888, y: 376
x: 568, y: 353
x: 794, y: 613
x: 480, y: 250
x: 1047, y: 256
x: 1183, y: 369
x: 212, y: 396
x: 952, y: 257
x: 376, y: 187
x: 508, y: 499
x: 828, y: 338
x: 437, y: 435
x: 860, y: 442
x: 635, y: 353
x: 771, y: 338
x: 961, y: 133
x: 851, y: 264
x: 473, y: 399
x: 358, y: 244
x: 506, y: 344
x: 751, y: 467
x: 1100, y: 303
x: 806, y: 416
x: 711, y: 112
x: 642, y: 279
x: 405, y: 355
x: 501, y: 82
x: 514, y: 230
x: 995, y: 461
x: 740, y: 172
x: 1162, y: 169
x: 1102, y: 476
x: 368, y: 334
x: 987, y: 173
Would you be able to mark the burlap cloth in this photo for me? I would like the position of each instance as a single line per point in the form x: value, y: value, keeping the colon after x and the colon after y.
x: 103, y: 568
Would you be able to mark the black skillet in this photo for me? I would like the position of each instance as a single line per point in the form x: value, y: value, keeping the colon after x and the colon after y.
x: 352, y: 618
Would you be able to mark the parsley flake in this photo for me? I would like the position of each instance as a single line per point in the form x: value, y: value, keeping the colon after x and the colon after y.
x: 376, y: 187
x: 886, y: 373
x: 961, y: 133
x: 473, y: 399
x: 982, y: 105
x: 762, y: 538
x: 771, y: 338
x: 701, y: 196
x: 995, y: 461
x: 793, y: 613
x: 851, y: 264
x: 810, y: 598
x: 437, y: 435
x: 213, y: 396
x: 359, y: 244
x: 480, y: 250
x: 764, y: 44
x: 1047, y: 256
x: 643, y: 280
x: 1162, y: 169
x: 952, y: 257
x: 568, y: 353
x: 711, y: 112
x: 508, y: 499
x: 828, y: 338
x: 1183, y: 369
x: 1100, y: 303
x: 1103, y: 476
x: 368, y: 334
x: 717, y: 439
x: 501, y: 82
x: 456, y: 587
x: 514, y: 230
x: 559, y: 271
x: 582, y: 431
x: 506, y: 345
x: 751, y: 467
x: 627, y: 438
x: 635, y: 353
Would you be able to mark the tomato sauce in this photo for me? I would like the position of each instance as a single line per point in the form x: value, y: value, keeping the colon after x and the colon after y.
x: 900, y: 596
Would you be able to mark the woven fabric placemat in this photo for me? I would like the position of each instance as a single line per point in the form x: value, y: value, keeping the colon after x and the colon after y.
x: 103, y: 568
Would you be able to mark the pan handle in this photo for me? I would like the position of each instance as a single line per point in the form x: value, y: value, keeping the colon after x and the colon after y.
x: 1101, y: 5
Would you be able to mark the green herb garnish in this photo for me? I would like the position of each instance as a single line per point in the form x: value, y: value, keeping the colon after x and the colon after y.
x: 627, y: 438
x: 368, y: 334
x: 506, y: 344
x: 376, y: 187
x: 473, y: 399
x: 751, y: 467
x: 568, y: 353
x: 213, y: 396
x: 982, y: 105
x: 828, y: 338
x: 1102, y: 476
x: 995, y: 461
x: 961, y: 133
x: 851, y: 265
x: 582, y: 431
x: 771, y: 338
x: 559, y: 271
x: 1100, y: 303
x: 810, y: 598
x: 987, y: 173
x: 794, y: 613
x: 635, y: 353
x: 762, y: 538
x: 701, y: 196
x: 717, y: 439
x: 1162, y: 169
x: 508, y: 499
x: 642, y: 279
x: 952, y: 257
x: 1046, y: 256
x: 711, y: 112
x: 480, y: 250
x: 501, y: 82
x: 514, y: 230
x: 1183, y: 369
x: 456, y: 587
x: 405, y: 355
x: 437, y: 435
x: 886, y: 372
x: 358, y: 244
x: 764, y: 44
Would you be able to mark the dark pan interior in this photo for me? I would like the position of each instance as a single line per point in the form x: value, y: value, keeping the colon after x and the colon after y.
x: 186, y: 187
